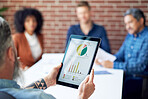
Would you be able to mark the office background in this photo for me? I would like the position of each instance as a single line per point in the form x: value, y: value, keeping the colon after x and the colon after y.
x: 59, y: 15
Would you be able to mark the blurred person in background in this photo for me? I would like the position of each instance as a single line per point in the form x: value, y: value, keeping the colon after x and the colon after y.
x: 132, y: 57
x: 87, y: 27
x: 28, y: 40
x: 9, y: 71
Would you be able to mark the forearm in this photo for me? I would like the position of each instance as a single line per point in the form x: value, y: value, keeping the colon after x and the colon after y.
x: 40, y: 84
x: 119, y: 65
x: 49, y: 80
x: 132, y: 67
x: 105, y: 45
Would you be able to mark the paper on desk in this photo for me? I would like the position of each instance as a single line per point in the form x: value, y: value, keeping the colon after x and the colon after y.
x: 103, y: 55
x: 101, y: 72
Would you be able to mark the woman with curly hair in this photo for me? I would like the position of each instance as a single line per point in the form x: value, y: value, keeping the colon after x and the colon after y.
x: 28, y: 40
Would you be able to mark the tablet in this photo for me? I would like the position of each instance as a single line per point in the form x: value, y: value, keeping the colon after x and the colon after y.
x: 78, y: 60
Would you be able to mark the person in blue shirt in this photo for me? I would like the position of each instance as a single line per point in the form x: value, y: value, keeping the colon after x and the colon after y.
x: 9, y: 70
x: 132, y: 57
x: 87, y: 27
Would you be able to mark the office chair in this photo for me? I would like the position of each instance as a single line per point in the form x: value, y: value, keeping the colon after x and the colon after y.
x: 144, y: 84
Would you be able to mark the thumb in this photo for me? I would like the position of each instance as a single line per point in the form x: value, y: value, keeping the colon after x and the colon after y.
x: 58, y: 67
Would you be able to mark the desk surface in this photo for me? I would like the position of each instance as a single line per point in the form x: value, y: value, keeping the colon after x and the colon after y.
x: 108, y: 86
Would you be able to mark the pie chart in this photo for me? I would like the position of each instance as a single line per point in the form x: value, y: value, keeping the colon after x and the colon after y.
x: 82, y: 49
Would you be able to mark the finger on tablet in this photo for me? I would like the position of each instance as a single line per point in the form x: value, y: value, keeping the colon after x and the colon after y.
x: 59, y: 66
x: 86, y: 79
x: 91, y: 75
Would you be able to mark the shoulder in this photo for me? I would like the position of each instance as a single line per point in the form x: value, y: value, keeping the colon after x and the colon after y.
x: 40, y: 35
x: 28, y: 93
x: 17, y: 35
x: 73, y: 29
x: 35, y: 94
x: 99, y: 29
x: 146, y: 32
x: 128, y: 35
x: 74, y: 26
x: 146, y: 37
x: 99, y: 26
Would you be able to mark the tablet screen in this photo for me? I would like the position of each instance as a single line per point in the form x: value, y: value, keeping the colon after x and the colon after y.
x: 77, y: 61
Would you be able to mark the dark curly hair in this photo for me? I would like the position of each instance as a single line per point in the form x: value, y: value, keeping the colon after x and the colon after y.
x: 21, y: 15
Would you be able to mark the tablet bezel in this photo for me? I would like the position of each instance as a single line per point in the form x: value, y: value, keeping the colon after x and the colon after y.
x: 82, y: 38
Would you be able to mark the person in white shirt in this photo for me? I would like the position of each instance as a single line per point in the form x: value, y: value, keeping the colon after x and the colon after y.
x: 28, y: 40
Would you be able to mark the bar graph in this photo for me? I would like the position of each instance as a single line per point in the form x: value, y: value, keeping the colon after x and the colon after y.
x: 74, y: 68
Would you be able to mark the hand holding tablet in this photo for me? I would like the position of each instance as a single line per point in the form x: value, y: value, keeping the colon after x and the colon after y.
x: 78, y: 60
x: 87, y: 87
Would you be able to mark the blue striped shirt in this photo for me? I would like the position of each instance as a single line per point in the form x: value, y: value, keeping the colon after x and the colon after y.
x: 96, y: 31
x: 133, y: 54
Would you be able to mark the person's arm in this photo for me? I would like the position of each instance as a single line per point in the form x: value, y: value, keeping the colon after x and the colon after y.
x: 86, y: 88
x: 46, y: 82
x: 119, y: 57
x: 120, y: 54
x: 40, y: 84
x: 138, y: 65
x: 105, y: 42
x: 69, y: 32
x: 97, y: 62
x: 15, y: 43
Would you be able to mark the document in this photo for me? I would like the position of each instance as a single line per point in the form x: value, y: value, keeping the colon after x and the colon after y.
x: 104, y: 56
x: 101, y: 72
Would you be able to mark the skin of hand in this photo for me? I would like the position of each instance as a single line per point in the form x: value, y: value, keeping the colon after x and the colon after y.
x: 87, y: 87
x: 107, y: 64
x: 50, y: 79
x: 97, y: 62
